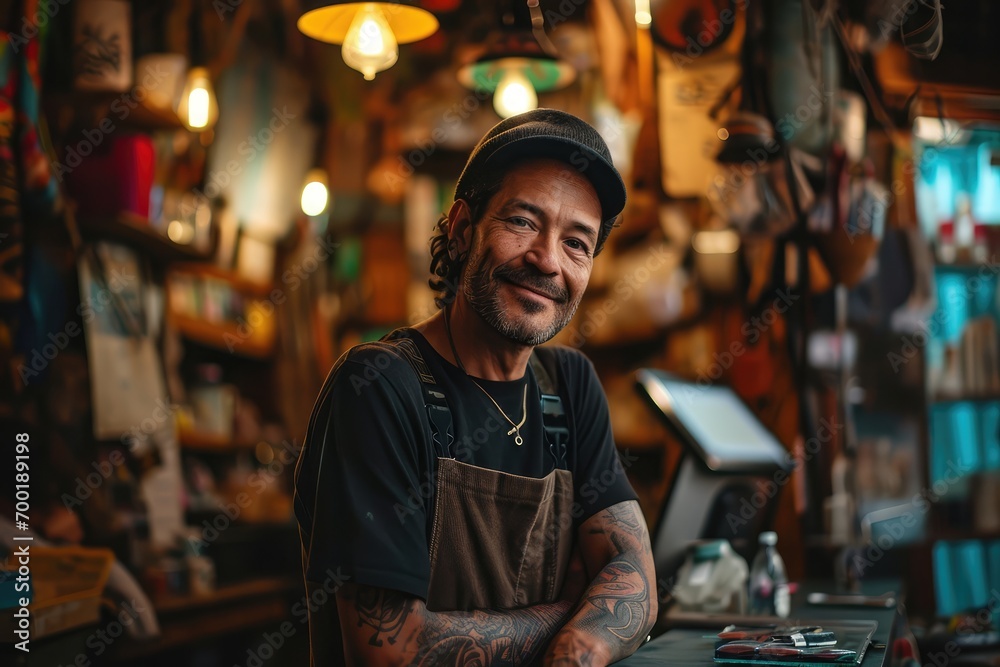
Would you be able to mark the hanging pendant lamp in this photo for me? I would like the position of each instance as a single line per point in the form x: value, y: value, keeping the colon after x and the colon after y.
x: 515, y: 67
x: 369, y: 31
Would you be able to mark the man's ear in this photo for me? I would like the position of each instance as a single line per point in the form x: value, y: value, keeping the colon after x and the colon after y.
x: 460, y: 226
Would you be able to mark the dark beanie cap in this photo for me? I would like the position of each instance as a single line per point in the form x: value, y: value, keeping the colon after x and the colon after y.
x: 549, y: 133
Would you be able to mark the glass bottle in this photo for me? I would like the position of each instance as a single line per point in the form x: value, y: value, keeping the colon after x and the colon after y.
x: 768, y: 587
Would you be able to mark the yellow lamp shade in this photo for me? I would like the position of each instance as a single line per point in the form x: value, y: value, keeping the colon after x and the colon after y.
x: 332, y: 23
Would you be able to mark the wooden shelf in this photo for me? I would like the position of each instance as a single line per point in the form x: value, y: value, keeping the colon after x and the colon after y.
x: 962, y: 535
x: 237, y: 281
x: 120, y: 109
x: 139, y: 233
x: 968, y: 398
x: 223, y: 595
x: 223, y: 336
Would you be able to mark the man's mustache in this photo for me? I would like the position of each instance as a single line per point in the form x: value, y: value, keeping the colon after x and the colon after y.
x: 528, y: 277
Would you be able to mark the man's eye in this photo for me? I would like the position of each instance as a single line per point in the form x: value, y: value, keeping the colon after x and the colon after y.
x: 577, y: 245
x: 520, y: 222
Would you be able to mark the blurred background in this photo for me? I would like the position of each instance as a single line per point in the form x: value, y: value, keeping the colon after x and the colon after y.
x: 203, y: 203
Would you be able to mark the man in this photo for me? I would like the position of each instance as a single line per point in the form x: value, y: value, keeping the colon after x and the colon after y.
x: 459, y: 523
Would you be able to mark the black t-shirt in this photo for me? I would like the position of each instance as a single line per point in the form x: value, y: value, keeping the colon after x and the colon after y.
x: 376, y: 498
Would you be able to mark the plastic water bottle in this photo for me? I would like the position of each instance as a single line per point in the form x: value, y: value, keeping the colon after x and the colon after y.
x: 768, y: 585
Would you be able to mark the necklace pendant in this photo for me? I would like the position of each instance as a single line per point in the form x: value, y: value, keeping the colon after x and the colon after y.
x: 518, y: 440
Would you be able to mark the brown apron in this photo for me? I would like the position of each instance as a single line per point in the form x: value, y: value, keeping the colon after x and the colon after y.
x: 498, y: 541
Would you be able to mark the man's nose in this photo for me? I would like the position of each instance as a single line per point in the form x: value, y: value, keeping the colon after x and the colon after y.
x: 542, y: 253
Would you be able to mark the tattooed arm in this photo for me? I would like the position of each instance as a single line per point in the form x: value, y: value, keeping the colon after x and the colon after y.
x: 619, y: 606
x: 386, y: 627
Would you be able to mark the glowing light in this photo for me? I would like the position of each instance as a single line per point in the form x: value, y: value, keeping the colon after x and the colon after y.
x: 719, y: 242
x: 643, y: 17
x: 198, y: 108
x: 315, y: 195
x: 514, y: 94
x: 370, y: 45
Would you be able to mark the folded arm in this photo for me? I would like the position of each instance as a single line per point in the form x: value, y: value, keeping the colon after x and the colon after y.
x: 385, y: 627
x: 619, y: 607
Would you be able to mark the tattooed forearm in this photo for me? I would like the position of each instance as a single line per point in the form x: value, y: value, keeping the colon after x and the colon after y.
x: 618, y: 597
x: 613, y: 620
x: 488, y: 638
x: 619, y: 607
x: 399, y: 630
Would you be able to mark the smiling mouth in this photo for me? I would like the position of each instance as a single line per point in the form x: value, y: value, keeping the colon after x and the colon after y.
x: 532, y: 291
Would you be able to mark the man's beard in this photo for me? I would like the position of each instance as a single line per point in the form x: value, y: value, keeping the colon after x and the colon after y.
x: 482, y: 290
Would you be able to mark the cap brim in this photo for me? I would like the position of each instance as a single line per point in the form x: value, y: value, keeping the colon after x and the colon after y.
x: 603, y: 176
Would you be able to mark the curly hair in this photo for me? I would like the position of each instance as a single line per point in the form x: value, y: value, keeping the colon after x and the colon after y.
x: 446, y: 271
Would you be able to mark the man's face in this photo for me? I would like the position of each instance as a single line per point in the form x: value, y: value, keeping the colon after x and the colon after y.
x: 532, y: 252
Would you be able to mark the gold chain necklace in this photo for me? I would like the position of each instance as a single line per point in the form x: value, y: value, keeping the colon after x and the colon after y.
x: 515, y: 428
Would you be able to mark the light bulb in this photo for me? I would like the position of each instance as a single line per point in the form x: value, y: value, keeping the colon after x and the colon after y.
x: 643, y: 18
x: 370, y: 45
x: 315, y: 195
x: 514, y: 94
x: 198, y: 107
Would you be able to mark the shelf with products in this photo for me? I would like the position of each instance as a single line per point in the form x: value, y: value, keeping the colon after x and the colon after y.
x: 139, y: 233
x: 106, y: 111
x: 221, y: 309
x: 956, y: 192
x: 966, y: 398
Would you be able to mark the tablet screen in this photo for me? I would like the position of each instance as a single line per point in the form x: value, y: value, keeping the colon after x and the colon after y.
x: 715, y: 423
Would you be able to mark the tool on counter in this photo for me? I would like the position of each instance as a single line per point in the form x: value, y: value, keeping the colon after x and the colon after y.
x: 761, y: 633
x: 806, y: 639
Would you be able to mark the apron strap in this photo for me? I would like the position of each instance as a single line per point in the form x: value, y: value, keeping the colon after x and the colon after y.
x: 438, y: 412
x: 554, y: 419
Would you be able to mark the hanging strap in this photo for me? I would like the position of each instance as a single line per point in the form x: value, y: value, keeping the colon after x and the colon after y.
x: 545, y: 366
x: 438, y: 412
